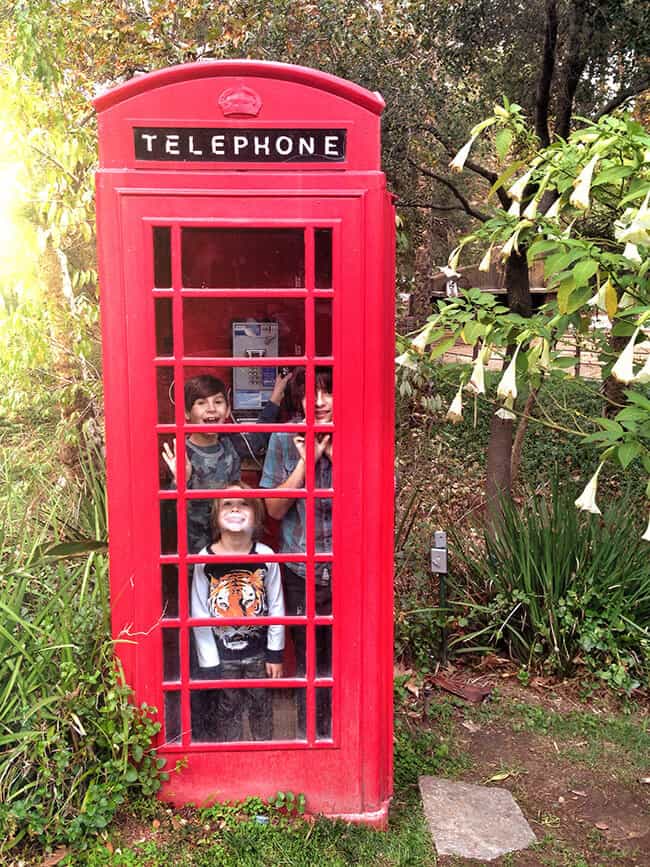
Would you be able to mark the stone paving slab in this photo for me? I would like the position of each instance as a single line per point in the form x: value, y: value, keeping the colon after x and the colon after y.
x: 482, y: 822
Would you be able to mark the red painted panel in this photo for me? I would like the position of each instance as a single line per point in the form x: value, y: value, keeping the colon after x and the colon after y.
x: 168, y: 302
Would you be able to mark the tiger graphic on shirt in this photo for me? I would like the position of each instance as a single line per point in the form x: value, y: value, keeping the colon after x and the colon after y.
x: 237, y: 593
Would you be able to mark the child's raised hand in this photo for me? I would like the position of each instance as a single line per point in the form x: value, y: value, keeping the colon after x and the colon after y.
x: 323, y: 446
x: 169, y: 457
x: 279, y: 387
x: 299, y: 443
x: 274, y: 670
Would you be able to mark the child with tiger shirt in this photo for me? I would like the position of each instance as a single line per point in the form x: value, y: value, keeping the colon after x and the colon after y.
x: 238, y: 589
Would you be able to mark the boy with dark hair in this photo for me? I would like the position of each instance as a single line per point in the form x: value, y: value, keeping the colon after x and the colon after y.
x: 212, y: 460
x: 284, y: 467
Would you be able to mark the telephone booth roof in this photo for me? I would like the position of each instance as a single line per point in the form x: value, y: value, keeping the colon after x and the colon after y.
x: 238, y: 93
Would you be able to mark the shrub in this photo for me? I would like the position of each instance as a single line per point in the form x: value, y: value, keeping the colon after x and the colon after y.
x: 72, y: 746
x: 556, y: 587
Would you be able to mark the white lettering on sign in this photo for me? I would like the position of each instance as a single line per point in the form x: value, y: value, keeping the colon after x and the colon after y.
x: 149, y: 139
x: 240, y: 142
x: 218, y: 145
x: 263, y: 146
x: 196, y: 144
x: 286, y: 147
x: 192, y: 151
x: 171, y: 145
x: 331, y: 142
x: 306, y: 145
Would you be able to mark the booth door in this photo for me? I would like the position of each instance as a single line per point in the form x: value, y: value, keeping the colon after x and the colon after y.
x: 240, y: 288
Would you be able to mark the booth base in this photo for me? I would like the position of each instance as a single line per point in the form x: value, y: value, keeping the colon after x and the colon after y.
x: 377, y: 819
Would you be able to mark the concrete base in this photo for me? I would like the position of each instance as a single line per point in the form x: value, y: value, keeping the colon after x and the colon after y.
x: 473, y: 821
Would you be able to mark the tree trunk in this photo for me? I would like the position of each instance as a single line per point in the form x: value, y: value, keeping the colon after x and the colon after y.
x: 498, y: 480
x: 518, y: 284
x: 499, y: 456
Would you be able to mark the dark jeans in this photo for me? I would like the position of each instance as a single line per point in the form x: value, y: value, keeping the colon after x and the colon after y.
x: 220, y: 712
x: 294, y: 602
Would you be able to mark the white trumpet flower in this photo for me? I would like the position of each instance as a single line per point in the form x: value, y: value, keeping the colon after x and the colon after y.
x: 508, y: 385
x: 623, y: 370
x: 509, y: 245
x: 476, y: 384
x: 506, y: 412
x: 458, y: 162
x: 638, y: 229
x: 554, y: 211
x: 646, y: 535
x: 631, y: 252
x: 454, y: 256
x: 531, y: 209
x: 644, y: 374
x: 419, y: 343
x: 406, y: 360
x: 455, y: 411
x: 484, y: 264
x: 582, y: 184
x: 514, y: 209
x: 587, y: 499
x: 516, y: 191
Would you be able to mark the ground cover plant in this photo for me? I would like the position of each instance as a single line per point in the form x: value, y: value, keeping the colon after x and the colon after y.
x: 72, y: 745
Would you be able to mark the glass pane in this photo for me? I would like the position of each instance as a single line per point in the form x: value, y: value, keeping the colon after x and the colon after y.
x: 168, y: 527
x: 240, y: 714
x: 243, y: 258
x: 162, y: 257
x: 323, y: 713
x: 164, y: 328
x: 166, y: 460
x: 323, y: 651
x: 169, y: 591
x: 244, y: 327
x: 323, y: 258
x: 323, y: 533
x: 172, y: 717
x: 324, y: 586
x: 165, y: 394
x: 171, y: 655
x: 323, y: 326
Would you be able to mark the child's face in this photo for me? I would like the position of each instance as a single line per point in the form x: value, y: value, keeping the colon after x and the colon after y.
x: 323, y: 406
x: 236, y: 516
x: 213, y: 409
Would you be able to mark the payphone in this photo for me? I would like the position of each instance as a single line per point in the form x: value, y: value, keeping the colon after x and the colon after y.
x: 244, y: 227
x: 252, y: 386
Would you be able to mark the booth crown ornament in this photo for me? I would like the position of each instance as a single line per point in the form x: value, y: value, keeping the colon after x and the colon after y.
x: 242, y: 101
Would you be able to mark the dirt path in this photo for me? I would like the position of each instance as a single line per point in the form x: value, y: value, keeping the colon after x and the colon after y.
x: 576, y: 774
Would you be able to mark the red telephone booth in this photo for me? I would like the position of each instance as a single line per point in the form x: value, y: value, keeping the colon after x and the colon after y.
x: 244, y: 228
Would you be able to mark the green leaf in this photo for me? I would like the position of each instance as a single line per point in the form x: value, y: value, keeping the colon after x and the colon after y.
x: 610, y: 175
x: 637, y: 398
x: 627, y: 452
x: 578, y: 299
x: 564, y: 293
x: 539, y: 247
x: 584, y: 270
x: 502, y: 142
x: 505, y: 177
x: 559, y: 261
x: 441, y: 348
